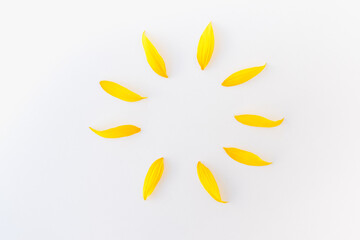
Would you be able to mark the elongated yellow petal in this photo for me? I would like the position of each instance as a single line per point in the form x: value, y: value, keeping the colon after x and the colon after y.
x: 208, y: 181
x: 154, y: 59
x: 257, y: 121
x: 245, y: 157
x: 120, y: 92
x: 117, y: 132
x: 242, y: 76
x: 153, y: 177
x: 206, y: 46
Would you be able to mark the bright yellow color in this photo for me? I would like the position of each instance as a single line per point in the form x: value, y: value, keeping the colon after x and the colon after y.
x: 257, y: 121
x: 153, y: 177
x: 245, y: 157
x: 117, y: 132
x: 242, y: 76
x: 206, y: 46
x: 120, y: 92
x: 208, y: 181
x: 154, y: 59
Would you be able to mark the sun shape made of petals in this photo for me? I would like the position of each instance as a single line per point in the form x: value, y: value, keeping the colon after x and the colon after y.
x: 157, y: 64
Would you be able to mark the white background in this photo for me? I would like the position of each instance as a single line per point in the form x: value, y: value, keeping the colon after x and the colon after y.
x: 58, y: 180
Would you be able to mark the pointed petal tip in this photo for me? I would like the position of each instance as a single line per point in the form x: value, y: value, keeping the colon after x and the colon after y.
x: 280, y: 121
x: 224, y: 84
x: 219, y: 200
x: 92, y: 129
x: 102, y: 83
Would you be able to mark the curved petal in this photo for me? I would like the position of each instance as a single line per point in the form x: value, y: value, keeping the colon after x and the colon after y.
x: 257, y: 121
x: 120, y: 92
x: 117, y: 132
x: 153, y: 177
x: 242, y: 76
x: 208, y: 181
x: 245, y: 157
x: 154, y: 59
x: 206, y: 46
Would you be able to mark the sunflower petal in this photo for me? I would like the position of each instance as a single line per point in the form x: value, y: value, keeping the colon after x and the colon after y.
x: 257, y: 121
x: 117, y: 132
x: 206, y: 46
x: 208, y: 181
x: 242, y: 76
x: 245, y: 157
x: 153, y: 177
x: 154, y: 59
x: 120, y: 92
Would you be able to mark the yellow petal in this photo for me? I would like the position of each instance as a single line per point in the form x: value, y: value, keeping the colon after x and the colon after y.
x: 245, y: 157
x: 153, y: 177
x: 208, y: 181
x: 120, y: 92
x: 242, y: 76
x: 257, y: 121
x: 117, y: 132
x: 206, y: 46
x: 154, y: 59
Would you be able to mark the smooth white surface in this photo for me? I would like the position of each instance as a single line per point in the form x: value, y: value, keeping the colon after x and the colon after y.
x: 58, y: 180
